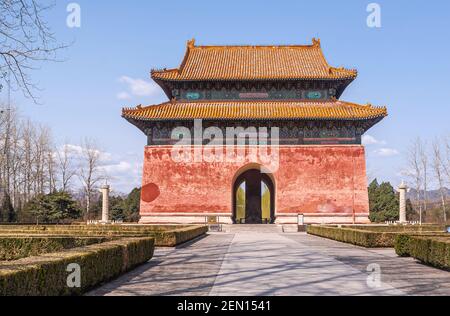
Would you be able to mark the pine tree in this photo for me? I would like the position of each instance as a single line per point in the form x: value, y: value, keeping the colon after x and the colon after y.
x: 63, y: 206
x: 53, y: 207
x: 132, y: 205
x: 384, y: 202
x: 373, y: 194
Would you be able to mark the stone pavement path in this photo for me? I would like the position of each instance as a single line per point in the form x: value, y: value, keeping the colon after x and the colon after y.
x: 276, y: 264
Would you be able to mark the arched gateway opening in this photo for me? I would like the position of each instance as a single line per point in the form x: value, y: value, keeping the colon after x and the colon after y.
x: 253, y: 198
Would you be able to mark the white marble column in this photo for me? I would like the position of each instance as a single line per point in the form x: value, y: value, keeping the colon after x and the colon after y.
x: 402, y: 190
x: 105, y: 205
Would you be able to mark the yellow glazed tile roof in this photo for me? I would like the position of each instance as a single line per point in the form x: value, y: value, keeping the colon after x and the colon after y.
x: 254, y: 63
x: 242, y: 110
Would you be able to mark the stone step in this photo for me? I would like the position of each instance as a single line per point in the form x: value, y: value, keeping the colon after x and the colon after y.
x: 290, y: 228
x: 257, y: 228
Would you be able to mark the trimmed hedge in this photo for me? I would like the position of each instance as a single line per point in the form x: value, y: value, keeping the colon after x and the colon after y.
x: 432, y: 250
x: 352, y: 236
x: 105, y: 228
x: 13, y: 248
x: 398, y: 228
x: 47, y: 276
x: 165, y: 236
x: 176, y: 237
x: 359, y: 237
x: 401, y: 245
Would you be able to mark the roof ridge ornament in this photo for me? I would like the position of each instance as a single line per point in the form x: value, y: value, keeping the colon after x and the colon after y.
x: 316, y: 42
x: 191, y: 43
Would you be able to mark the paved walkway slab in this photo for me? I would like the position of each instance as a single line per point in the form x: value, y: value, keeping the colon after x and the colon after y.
x: 277, y: 264
x: 271, y: 264
x: 187, y: 270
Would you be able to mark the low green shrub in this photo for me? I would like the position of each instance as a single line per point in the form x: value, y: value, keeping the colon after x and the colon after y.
x: 398, y: 228
x: 120, y: 228
x: 361, y: 237
x: 401, y: 245
x: 47, y: 275
x: 353, y: 236
x: 176, y: 237
x: 13, y: 248
x: 432, y: 250
x: 165, y: 236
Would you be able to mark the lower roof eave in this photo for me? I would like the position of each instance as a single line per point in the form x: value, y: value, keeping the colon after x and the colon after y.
x: 142, y: 124
x: 249, y: 119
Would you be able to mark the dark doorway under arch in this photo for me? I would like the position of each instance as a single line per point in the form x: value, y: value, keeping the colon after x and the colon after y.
x: 253, y: 198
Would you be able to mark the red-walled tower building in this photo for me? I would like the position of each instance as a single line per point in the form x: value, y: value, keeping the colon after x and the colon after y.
x: 307, y: 155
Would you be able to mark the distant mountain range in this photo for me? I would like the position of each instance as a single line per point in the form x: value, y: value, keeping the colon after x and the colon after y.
x: 432, y: 195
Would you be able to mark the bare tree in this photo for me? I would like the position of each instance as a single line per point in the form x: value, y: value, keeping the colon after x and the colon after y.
x: 415, y: 171
x: 26, y: 159
x: 446, y: 161
x: 422, y: 149
x: 44, y: 170
x: 438, y: 170
x: 7, y: 122
x: 25, y: 41
x: 90, y: 173
x: 65, y: 166
x: 29, y: 134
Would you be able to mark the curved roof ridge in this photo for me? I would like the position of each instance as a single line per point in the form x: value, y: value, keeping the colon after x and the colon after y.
x: 254, y: 62
x: 315, y: 44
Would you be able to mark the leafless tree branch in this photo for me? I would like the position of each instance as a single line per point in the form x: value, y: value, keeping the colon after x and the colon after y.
x: 26, y: 40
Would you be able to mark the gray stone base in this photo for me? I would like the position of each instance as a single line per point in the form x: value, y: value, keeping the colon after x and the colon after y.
x: 281, y: 219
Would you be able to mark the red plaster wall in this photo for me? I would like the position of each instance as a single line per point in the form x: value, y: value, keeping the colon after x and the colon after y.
x: 327, y: 180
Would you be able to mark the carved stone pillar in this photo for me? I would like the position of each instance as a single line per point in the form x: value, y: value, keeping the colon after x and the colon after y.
x: 105, y: 204
x: 402, y: 190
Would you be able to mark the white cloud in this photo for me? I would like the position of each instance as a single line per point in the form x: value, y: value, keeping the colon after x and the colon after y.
x: 370, y: 140
x: 386, y: 152
x: 74, y: 149
x: 121, y: 166
x: 123, y: 95
x: 105, y: 157
x: 138, y: 87
x: 78, y: 152
x: 124, y: 175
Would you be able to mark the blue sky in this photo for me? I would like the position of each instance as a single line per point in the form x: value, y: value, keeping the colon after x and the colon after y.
x: 404, y: 65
